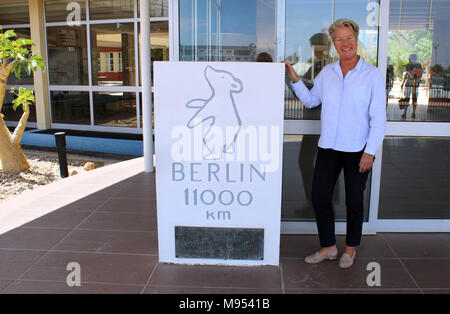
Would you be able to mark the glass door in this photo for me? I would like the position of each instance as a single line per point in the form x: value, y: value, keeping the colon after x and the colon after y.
x: 415, y: 167
x: 307, y: 46
x: 226, y: 30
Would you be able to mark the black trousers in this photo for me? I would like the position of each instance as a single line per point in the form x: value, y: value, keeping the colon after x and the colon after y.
x: 329, y: 164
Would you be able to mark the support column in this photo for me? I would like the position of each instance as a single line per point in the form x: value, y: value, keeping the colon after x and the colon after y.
x: 146, y: 85
x: 41, y: 91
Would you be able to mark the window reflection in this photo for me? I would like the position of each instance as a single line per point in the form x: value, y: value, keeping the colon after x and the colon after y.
x: 111, y: 9
x: 113, y: 54
x: 299, y: 154
x: 57, y: 10
x: 418, y: 73
x: 14, y: 12
x: 67, y: 55
x: 158, y: 8
x: 70, y: 107
x: 159, y: 41
x: 415, y: 177
x: 309, y: 48
x: 230, y: 30
x: 116, y: 109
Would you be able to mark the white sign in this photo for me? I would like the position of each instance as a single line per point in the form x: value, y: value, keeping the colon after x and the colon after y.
x: 219, y: 139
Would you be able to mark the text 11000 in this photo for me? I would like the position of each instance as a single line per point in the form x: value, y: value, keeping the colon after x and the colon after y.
x: 208, y: 198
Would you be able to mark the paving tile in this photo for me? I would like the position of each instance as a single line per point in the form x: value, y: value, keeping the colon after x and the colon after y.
x: 95, y: 268
x: 266, y: 277
x: 86, y: 204
x: 32, y: 238
x: 4, y: 284
x: 354, y: 291
x: 44, y: 287
x: 300, y: 246
x: 111, y: 242
x: 143, y: 178
x: 46, y: 203
x: 206, y: 290
x: 15, y: 263
x: 429, y: 273
x: 133, y: 190
x: 129, y: 205
x: 436, y: 291
x: 419, y: 245
x: 373, y: 247
x: 120, y: 222
x: 82, y: 189
x: 327, y: 275
x: 59, y: 219
x: 106, y: 193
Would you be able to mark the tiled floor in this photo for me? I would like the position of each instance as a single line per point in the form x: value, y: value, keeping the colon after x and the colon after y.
x: 112, y: 235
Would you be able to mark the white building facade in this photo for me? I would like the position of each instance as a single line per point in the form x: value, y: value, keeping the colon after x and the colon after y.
x: 94, y: 82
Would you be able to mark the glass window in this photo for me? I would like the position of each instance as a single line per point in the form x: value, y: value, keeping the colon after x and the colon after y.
x: 159, y: 41
x: 25, y: 79
x: 67, y: 55
x: 231, y: 30
x: 14, y: 12
x: 70, y: 107
x: 309, y: 48
x: 158, y: 8
x: 111, y: 9
x: 415, y: 178
x: 116, y: 109
x: 418, y: 73
x: 65, y: 10
x: 113, y: 59
x: 299, y: 154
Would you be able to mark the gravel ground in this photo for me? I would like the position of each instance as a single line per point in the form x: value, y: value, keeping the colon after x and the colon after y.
x: 44, y: 169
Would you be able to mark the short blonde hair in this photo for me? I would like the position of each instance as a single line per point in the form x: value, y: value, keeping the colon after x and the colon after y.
x: 343, y: 23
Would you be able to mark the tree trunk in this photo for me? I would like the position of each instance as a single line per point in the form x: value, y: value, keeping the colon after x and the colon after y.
x: 12, y: 159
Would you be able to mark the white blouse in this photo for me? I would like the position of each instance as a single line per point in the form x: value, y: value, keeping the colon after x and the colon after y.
x: 353, y: 108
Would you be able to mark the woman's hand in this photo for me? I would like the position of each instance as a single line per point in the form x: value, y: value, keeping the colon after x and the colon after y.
x: 366, y: 162
x: 291, y: 72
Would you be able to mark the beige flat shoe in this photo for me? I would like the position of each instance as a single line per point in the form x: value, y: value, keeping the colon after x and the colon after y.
x: 346, y: 260
x: 316, y: 258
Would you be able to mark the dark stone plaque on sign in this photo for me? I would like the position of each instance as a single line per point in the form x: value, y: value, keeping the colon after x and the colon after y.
x: 219, y: 243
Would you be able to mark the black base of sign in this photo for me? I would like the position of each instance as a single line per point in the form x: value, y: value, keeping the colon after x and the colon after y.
x: 219, y: 243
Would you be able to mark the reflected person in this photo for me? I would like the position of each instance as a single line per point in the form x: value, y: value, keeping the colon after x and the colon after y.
x: 353, y: 96
x: 321, y: 44
x: 264, y: 57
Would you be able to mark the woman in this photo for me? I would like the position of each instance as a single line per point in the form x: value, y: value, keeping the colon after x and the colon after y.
x: 353, y: 97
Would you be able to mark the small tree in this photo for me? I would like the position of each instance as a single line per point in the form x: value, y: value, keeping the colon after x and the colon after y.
x: 15, y: 57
